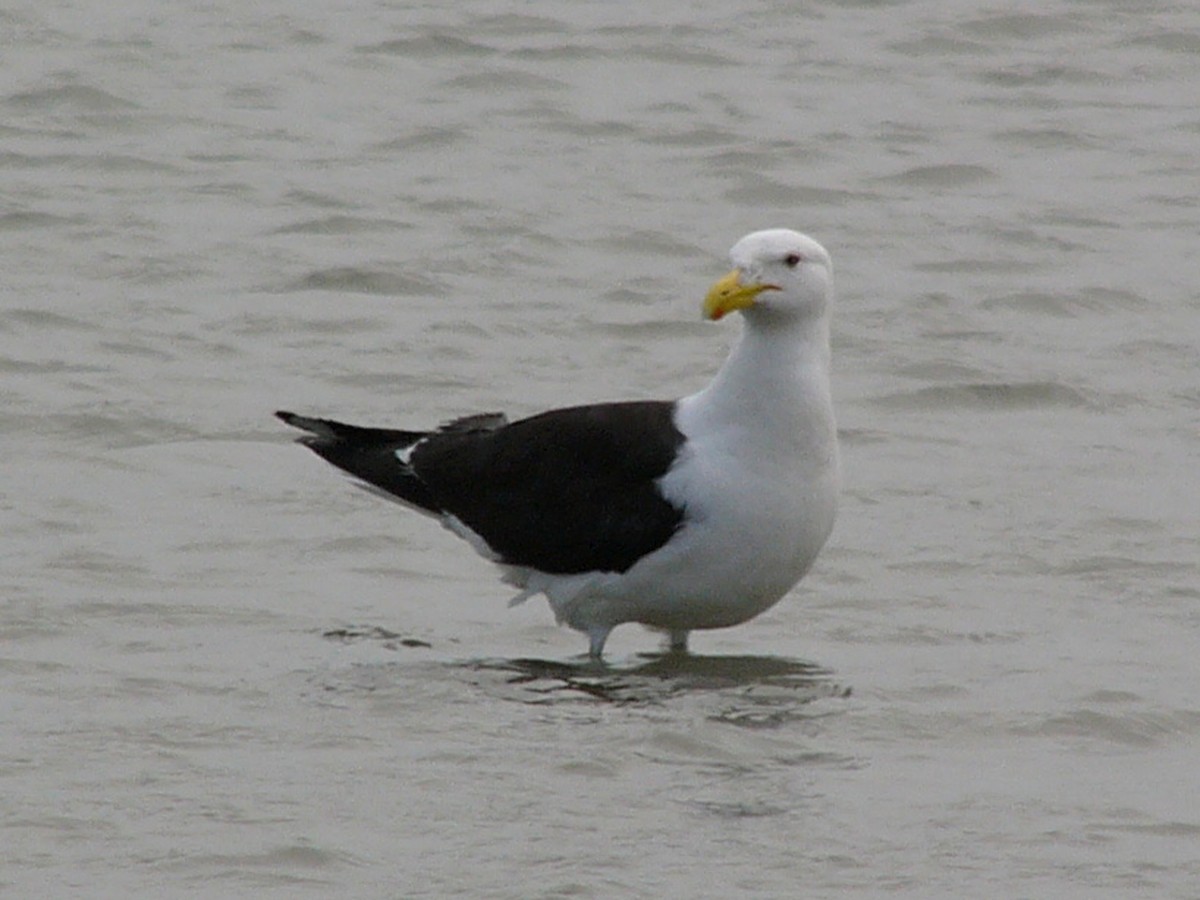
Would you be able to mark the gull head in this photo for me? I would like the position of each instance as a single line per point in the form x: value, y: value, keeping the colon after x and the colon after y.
x: 778, y: 274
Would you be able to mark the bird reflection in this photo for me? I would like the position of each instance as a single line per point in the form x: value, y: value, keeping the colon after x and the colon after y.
x: 772, y: 680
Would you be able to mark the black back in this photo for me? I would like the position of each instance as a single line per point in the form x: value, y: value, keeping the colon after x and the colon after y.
x: 570, y: 490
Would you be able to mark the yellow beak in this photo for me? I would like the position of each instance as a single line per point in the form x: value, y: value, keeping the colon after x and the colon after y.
x: 728, y: 295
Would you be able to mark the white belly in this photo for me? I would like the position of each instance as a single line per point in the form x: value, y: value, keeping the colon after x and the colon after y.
x: 741, y: 549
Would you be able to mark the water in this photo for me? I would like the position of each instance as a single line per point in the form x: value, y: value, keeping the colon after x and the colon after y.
x: 216, y: 678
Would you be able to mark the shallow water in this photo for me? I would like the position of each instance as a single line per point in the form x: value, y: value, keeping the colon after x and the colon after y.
x: 229, y: 674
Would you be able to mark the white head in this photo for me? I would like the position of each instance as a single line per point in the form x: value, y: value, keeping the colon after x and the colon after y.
x: 778, y: 274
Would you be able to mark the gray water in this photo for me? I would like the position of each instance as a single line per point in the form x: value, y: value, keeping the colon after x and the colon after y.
x: 227, y: 673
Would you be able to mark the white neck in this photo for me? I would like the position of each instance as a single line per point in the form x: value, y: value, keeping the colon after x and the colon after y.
x: 776, y: 378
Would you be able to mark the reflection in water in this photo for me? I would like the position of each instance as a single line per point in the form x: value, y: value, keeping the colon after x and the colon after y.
x: 746, y: 691
x: 762, y: 691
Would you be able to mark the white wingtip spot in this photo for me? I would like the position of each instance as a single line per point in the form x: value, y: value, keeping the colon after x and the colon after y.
x: 404, y: 454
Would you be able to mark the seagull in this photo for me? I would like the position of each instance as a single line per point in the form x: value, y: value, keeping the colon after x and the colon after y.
x: 696, y: 513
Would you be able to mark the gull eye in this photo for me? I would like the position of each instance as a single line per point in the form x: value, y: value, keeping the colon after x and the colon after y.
x: 793, y: 259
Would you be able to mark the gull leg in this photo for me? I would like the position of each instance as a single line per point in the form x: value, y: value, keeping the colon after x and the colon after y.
x: 677, y: 640
x: 597, y: 635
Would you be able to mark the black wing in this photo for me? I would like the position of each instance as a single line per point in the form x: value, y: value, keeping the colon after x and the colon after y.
x: 367, y: 453
x: 571, y: 490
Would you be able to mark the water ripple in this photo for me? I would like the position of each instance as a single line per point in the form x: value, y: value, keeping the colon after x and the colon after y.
x: 997, y: 397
